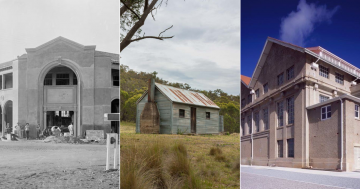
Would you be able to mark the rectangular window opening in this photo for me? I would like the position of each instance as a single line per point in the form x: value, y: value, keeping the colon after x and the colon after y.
x: 115, y: 77
x: 290, y: 73
x: 63, y: 79
x: 181, y: 113
x: 339, y: 78
x: 323, y: 98
x: 290, y: 110
x: 266, y: 88
x: 280, y: 112
x: 280, y: 148
x: 8, y: 81
x: 290, y: 143
x: 323, y: 71
x: 207, y: 115
x: 356, y: 111
x: 326, y: 112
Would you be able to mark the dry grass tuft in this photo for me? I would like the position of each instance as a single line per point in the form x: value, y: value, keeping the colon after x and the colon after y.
x: 215, y: 151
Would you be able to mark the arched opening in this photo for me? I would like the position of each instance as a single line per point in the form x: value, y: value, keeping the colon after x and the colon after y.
x: 115, y: 109
x: 60, y: 87
x: 8, y: 114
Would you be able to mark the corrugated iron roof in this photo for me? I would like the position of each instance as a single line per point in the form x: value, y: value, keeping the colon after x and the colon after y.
x: 185, y: 96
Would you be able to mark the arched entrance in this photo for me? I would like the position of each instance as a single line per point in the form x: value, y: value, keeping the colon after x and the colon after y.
x: 8, y: 115
x: 60, y: 93
x: 115, y: 109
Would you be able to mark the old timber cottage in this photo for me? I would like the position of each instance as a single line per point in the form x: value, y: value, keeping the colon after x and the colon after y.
x: 170, y: 110
x: 300, y: 109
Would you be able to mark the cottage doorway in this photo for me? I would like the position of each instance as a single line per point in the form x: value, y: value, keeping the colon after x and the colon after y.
x: 357, y: 157
x: 193, y: 120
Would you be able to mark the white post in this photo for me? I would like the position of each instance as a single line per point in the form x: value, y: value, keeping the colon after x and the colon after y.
x: 112, y: 142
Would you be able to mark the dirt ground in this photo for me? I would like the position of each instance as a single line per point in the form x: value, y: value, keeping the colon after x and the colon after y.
x: 34, y: 164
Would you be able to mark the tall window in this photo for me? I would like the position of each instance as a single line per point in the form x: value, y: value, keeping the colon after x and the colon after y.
x: 280, y: 79
x: 249, y: 124
x: 0, y: 82
x: 243, y: 126
x: 323, y: 98
x: 249, y: 98
x: 63, y: 79
x: 257, y: 127
x: 290, y: 110
x: 280, y: 113
x: 257, y: 93
x: 339, y: 78
x: 243, y: 102
x: 266, y: 88
x: 323, y: 71
x: 280, y: 148
x: 356, y: 111
x: 290, y: 143
x: 48, y: 79
x: 266, y: 119
x: 115, y: 77
x: 326, y: 112
x: 181, y: 113
x: 290, y: 73
x: 8, y: 81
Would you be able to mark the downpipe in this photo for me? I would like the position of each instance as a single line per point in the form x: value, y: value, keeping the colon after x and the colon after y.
x: 252, y: 139
x: 341, y: 131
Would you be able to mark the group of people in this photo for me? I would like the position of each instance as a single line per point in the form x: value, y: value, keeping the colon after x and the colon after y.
x: 54, y: 130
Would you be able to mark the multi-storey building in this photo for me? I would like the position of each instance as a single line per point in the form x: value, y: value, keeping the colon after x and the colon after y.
x: 300, y: 109
x: 57, y: 83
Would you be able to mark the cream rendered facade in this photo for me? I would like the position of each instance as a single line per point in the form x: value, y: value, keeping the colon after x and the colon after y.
x: 282, y: 116
x: 62, y: 76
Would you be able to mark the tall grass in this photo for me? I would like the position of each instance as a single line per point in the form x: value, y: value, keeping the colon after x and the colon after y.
x: 157, y: 165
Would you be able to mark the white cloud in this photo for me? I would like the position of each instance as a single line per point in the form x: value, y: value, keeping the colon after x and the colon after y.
x: 205, y: 52
x: 297, y: 26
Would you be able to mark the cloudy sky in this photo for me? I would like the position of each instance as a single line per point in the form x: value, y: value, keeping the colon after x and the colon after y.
x: 28, y: 24
x: 331, y: 24
x: 205, y: 52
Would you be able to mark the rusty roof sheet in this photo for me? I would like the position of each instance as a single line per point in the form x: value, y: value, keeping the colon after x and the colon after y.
x: 185, y: 96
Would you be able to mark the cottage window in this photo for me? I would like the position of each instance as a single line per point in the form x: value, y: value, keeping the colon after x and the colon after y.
x: 356, y: 111
x: 257, y: 93
x: 290, y: 72
x: 266, y: 88
x: 8, y: 81
x: 249, y: 98
x: 326, y: 112
x: 48, y: 79
x: 249, y: 124
x: 181, y: 113
x: 63, y: 79
x: 290, y: 110
x: 280, y: 113
x: 323, y: 71
x: 323, y: 98
x: 207, y: 115
x: 339, y: 78
x: 257, y: 127
x: 266, y: 119
x: 290, y: 143
x: 115, y: 77
x: 280, y: 79
x: 243, y: 126
x: 280, y: 148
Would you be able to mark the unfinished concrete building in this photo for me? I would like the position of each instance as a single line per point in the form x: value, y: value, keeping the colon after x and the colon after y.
x: 57, y: 83
x: 179, y: 110
x: 300, y: 108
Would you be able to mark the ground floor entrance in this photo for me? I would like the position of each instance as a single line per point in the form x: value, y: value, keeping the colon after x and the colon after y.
x: 59, y: 118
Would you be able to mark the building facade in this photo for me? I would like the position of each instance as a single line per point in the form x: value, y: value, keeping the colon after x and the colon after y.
x: 300, y: 109
x: 58, y: 83
x: 180, y: 111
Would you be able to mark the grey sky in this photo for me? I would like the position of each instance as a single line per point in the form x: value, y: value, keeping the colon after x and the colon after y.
x: 205, y: 52
x: 28, y: 24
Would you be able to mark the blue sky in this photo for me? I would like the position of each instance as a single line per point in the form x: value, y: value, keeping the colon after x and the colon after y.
x: 333, y: 25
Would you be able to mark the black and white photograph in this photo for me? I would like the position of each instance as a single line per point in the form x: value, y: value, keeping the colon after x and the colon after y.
x: 59, y: 94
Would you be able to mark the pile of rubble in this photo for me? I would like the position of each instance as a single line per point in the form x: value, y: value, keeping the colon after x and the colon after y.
x: 71, y: 140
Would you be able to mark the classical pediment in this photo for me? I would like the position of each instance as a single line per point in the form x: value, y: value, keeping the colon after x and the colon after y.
x: 60, y: 44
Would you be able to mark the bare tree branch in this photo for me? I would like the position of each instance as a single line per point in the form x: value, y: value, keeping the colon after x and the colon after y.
x: 129, y: 9
x: 165, y: 30
x: 151, y: 37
